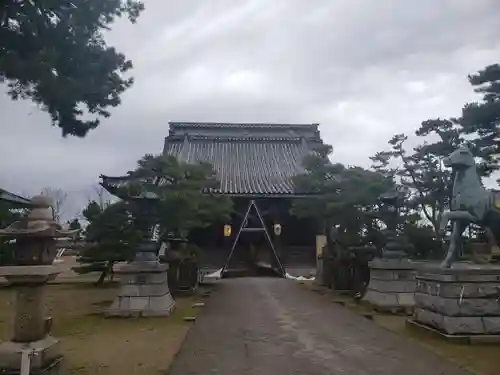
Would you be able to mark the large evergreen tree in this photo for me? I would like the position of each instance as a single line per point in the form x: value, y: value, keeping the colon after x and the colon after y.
x: 186, y: 193
x: 8, y: 214
x: 420, y: 170
x: 481, y: 120
x: 111, y: 237
x: 54, y: 53
x: 180, y: 198
x: 74, y: 224
x: 340, y: 195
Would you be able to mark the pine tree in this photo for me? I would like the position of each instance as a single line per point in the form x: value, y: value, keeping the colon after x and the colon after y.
x: 54, y: 53
x: 185, y: 193
x: 111, y: 237
x: 482, y: 119
x: 340, y: 195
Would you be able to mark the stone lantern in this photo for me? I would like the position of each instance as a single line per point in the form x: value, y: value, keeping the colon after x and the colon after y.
x: 144, y: 290
x: 397, y: 245
x: 32, y: 348
x: 392, y: 276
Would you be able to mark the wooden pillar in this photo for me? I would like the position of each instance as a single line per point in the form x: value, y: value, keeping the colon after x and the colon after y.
x: 277, y: 231
x: 320, y: 243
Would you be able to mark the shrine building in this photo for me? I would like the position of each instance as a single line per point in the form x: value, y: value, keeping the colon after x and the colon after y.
x: 255, y: 164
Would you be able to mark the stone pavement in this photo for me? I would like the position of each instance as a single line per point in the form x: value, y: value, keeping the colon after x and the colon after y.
x: 271, y: 326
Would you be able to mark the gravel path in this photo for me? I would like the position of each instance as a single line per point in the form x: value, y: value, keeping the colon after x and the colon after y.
x: 271, y: 326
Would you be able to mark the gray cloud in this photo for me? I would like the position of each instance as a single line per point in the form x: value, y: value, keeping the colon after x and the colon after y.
x: 363, y: 69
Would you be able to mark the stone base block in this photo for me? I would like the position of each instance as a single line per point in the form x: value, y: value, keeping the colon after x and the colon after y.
x: 453, y: 325
x: 392, y: 284
x: 144, y: 291
x: 463, y: 300
x: 455, y: 338
x: 45, y: 356
x: 389, y: 301
x: 142, y: 306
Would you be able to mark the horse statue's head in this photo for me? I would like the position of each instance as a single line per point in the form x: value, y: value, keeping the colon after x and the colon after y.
x: 461, y: 158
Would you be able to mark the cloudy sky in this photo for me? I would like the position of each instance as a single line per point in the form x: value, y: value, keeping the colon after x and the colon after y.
x: 363, y: 69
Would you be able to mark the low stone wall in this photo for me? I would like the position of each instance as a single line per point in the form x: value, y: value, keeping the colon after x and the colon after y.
x: 462, y: 300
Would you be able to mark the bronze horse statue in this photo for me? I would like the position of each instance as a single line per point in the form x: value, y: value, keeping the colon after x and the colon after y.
x: 471, y: 203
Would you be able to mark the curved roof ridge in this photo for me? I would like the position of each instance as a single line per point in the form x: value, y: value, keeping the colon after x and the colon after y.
x: 239, y: 124
x: 244, y: 130
x: 234, y: 138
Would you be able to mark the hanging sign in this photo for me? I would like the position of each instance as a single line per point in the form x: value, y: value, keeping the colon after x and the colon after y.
x: 227, y: 230
x: 277, y: 229
x: 497, y: 202
x: 320, y: 244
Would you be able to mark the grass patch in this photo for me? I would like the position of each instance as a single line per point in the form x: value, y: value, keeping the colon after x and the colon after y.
x: 93, y: 344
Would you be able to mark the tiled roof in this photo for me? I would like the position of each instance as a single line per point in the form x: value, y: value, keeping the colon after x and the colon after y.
x: 243, y: 130
x: 250, y: 167
x: 249, y: 159
x: 13, y: 198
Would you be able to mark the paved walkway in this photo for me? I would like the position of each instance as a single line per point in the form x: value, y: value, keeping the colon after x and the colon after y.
x: 271, y: 326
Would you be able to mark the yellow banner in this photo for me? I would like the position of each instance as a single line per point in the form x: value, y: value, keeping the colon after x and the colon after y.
x: 320, y: 242
x: 227, y: 230
x: 497, y: 202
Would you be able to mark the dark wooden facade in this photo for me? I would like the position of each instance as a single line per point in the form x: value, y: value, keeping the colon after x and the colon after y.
x: 295, y: 245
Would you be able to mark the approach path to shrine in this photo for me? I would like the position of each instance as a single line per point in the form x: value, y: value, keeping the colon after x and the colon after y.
x: 271, y: 326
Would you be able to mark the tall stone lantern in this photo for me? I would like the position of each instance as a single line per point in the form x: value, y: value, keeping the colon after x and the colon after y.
x: 396, y: 244
x: 392, y: 276
x: 32, y: 349
x: 144, y: 290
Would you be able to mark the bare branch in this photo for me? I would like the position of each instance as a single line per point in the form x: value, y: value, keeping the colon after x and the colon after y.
x: 59, y: 198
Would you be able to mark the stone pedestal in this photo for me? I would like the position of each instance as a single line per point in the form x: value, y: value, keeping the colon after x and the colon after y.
x: 143, y: 292
x: 462, y: 300
x: 31, y: 337
x: 392, y: 284
x: 320, y: 272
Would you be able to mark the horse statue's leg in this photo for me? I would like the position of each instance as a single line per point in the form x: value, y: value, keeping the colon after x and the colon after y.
x: 455, y: 243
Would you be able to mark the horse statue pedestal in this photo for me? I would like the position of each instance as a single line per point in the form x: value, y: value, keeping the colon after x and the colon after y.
x: 392, y: 284
x: 459, y: 301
